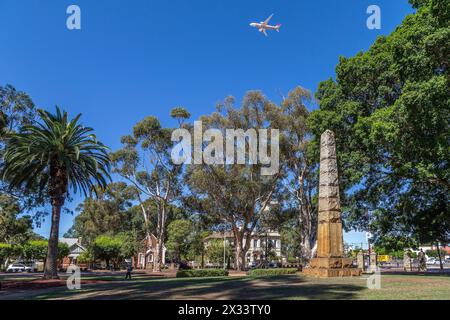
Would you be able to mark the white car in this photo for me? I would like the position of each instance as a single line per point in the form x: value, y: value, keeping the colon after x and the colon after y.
x: 16, y: 267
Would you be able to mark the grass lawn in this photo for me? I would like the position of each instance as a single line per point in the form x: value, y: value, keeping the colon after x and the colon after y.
x: 241, y: 288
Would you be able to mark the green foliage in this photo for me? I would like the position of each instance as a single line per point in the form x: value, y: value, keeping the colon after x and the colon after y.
x: 109, y: 212
x: 107, y: 248
x: 55, y: 156
x: 2, y: 125
x: 235, y: 194
x: 8, y: 251
x: 145, y: 163
x: 63, y: 250
x: 197, y: 247
x: 86, y: 257
x: 435, y: 253
x: 394, y: 253
x: 180, y: 114
x: 40, y: 151
x: 37, y: 250
x: 215, y: 250
x: 16, y: 108
x: 202, y: 273
x: 13, y: 229
x: 271, y: 272
x: 113, y: 248
x: 179, y: 234
x: 390, y: 108
x: 130, y: 244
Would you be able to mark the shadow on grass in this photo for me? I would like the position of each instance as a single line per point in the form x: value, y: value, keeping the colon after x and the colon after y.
x: 445, y: 273
x: 264, y: 288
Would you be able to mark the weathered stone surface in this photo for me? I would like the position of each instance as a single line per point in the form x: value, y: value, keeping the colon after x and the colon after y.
x: 329, y: 273
x: 327, y: 263
x: 360, y: 260
x: 407, y: 263
x: 330, y: 261
x: 329, y: 217
x: 327, y: 145
x: 373, y: 262
x: 328, y: 178
x: 329, y: 204
x: 328, y: 167
x: 327, y: 191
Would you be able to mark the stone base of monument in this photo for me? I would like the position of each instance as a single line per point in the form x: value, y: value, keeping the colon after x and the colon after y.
x: 331, y: 267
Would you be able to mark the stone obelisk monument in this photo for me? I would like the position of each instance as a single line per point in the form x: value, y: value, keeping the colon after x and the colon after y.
x: 330, y: 261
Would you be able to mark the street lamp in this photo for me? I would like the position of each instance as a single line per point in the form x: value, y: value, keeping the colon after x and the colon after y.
x: 224, y: 252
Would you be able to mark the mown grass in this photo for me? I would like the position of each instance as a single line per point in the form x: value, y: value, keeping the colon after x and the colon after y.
x: 275, y: 287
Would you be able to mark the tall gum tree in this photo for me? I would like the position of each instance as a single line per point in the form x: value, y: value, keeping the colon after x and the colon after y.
x: 301, y: 179
x: 236, y: 194
x: 145, y: 163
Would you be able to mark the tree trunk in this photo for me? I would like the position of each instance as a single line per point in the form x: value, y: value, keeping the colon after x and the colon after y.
x: 240, y: 258
x: 241, y: 251
x: 307, y: 223
x: 440, y: 256
x: 51, y: 263
x: 242, y: 261
x: 157, y: 258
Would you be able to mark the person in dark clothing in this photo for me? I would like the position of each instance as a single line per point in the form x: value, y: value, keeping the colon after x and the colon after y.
x: 129, y: 269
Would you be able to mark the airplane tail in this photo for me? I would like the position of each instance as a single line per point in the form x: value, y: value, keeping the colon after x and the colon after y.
x: 278, y: 27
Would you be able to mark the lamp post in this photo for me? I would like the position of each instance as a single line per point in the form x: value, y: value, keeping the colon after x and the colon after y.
x: 224, y: 252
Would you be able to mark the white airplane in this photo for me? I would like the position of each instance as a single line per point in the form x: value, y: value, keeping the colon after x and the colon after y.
x: 264, y: 25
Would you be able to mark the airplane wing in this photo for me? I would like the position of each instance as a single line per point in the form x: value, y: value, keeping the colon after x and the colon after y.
x: 268, y: 19
x: 264, y: 31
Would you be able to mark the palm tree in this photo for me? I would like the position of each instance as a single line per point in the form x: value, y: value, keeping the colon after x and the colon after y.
x: 57, y: 155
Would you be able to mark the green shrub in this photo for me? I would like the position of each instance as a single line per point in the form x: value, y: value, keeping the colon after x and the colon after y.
x: 272, y: 272
x: 202, y: 273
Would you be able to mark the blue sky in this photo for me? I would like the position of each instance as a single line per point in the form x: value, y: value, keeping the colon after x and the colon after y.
x: 142, y: 57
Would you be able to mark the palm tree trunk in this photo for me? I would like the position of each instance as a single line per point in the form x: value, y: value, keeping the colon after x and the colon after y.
x: 51, y: 263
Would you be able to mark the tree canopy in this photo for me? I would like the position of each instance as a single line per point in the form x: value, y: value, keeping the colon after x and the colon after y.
x: 390, y: 110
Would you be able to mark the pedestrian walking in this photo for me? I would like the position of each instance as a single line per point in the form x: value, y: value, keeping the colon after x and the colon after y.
x: 129, y: 269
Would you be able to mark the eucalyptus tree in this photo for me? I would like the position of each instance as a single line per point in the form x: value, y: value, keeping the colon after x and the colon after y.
x: 236, y: 194
x: 16, y: 110
x: 14, y: 228
x: 108, y: 213
x: 301, y: 179
x: 145, y: 163
x: 59, y: 156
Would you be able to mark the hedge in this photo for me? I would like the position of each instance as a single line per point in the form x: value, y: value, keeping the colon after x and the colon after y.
x: 272, y: 272
x: 201, y: 273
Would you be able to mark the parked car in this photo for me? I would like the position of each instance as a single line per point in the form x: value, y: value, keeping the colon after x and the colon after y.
x: 16, y: 267
x: 432, y: 261
x: 30, y: 266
